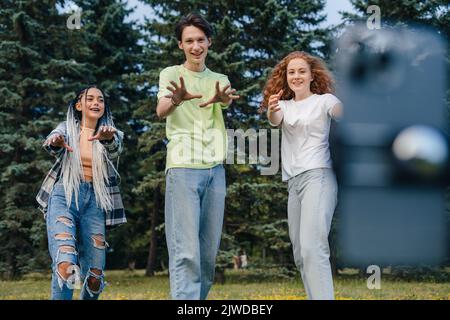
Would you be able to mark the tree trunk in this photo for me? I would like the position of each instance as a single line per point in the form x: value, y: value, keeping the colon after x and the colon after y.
x: 281, y: 258
x: 151, y: 261
x: 220, y: 275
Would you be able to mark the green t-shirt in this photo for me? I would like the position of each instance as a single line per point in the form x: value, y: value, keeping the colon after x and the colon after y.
x: 197, y: 136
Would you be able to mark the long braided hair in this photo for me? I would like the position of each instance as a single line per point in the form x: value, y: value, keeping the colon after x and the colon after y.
x: 72, y: 170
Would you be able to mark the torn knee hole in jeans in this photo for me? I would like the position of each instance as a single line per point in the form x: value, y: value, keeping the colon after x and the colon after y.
x: 64, y: 236
x: 94, y: 281
x: 65, y: 269
x: 99, y: 241
x: 68, y: 274
x: 64, y: 220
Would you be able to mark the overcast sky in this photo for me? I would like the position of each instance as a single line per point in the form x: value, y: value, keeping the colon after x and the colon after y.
x: 331, y: 9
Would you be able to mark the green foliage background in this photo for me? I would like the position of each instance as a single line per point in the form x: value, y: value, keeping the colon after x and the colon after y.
x: 43, y: 64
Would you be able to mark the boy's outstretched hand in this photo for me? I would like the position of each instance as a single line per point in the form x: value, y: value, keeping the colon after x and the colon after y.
x: 222, y: 96
x: 180, y: 93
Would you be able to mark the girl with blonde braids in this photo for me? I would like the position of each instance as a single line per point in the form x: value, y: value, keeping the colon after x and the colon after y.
x: 80, y: 195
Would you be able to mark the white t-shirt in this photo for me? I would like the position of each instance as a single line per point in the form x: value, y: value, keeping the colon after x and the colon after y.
x: 305, y: 128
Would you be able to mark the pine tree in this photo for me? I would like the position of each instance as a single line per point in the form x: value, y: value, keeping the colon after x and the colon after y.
x: 405, y: 12
x: 114, y: 58
x: 38, y: 68
x: 43, y: 63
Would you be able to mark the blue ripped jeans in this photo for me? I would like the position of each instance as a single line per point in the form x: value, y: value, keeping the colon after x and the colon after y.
x: 76, y: 237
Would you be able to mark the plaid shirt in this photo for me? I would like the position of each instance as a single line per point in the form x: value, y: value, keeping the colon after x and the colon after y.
x: 112, y: 218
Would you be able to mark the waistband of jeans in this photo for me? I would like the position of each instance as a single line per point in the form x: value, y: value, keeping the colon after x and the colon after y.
x: 309, y: 171
x: 82, y: 182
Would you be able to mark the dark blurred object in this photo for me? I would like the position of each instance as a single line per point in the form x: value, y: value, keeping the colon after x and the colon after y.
x: 392, y: 150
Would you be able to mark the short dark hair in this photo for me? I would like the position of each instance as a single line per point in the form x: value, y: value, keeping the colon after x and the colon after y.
x: 196, y: 20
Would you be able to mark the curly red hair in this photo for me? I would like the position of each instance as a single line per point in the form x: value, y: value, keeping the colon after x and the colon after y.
x: 323, y: 79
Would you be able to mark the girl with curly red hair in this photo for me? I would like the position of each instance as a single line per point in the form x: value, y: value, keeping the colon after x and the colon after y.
x: 298, y: 97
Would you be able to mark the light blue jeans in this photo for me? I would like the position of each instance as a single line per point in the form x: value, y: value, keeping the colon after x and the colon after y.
x: 194, y: 210
x: 77, y: 237
x: 311, y: 204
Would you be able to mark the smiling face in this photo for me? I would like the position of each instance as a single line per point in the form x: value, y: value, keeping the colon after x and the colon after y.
x: 195, y: 45
x: 299, y: 76
x: 91, y: 105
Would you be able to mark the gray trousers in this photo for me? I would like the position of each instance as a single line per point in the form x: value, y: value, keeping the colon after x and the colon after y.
x: 311, y: 204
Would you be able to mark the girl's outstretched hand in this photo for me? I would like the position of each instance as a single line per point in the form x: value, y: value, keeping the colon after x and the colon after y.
x: 57, y: 140
x: 104, y: 133
x: 273, y: 102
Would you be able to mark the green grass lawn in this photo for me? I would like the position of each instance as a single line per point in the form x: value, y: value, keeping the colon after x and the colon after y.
x: 133, y: 285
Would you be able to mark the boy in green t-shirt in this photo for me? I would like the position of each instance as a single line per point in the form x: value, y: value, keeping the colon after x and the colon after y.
x: 191, y: 97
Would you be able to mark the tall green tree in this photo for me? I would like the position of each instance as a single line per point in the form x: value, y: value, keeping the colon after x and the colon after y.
x: 38, y: 68
x: 404, y: 12
x: 43, y: 62
x: 112, y: 41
